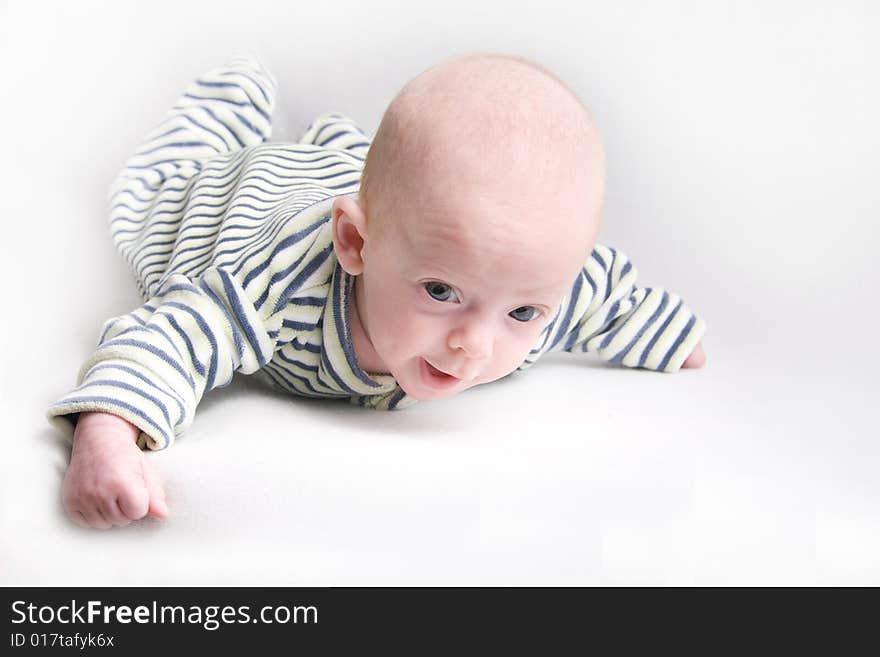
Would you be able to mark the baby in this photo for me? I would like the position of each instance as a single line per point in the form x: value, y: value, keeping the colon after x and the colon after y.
x: 457, y: 247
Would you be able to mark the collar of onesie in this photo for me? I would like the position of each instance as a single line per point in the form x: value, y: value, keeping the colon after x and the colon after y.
x: 338, y: 360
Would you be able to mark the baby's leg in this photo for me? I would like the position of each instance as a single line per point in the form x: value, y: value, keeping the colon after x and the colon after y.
x: 337, y: 131
x: 223, y: 112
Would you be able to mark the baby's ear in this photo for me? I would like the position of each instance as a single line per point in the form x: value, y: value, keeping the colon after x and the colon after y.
x: 349, y: 233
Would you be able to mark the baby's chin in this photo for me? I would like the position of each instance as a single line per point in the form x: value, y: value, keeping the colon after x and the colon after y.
x: 422, y: 393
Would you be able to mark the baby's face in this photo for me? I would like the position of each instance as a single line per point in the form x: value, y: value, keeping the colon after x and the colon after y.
x: 487, y: 182
x: 457, y: 294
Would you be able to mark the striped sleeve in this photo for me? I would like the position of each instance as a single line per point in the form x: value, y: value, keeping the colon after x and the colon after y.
x: 606, y: 313
x: 153, y: 365
x: 199, y: 324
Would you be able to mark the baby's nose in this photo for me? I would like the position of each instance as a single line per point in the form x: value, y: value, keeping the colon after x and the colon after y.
x: 475, y: 341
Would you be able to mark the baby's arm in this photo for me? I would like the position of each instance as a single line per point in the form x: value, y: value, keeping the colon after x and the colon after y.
x: 608, y: 314
x: 109, y: 480
x: 140, y: 387
x: 153, y: 365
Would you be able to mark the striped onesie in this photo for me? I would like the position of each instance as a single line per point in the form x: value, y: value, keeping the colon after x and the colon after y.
x: 230, y: 242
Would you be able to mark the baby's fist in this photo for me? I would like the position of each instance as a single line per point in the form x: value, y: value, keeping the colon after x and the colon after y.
x: 109, y: 480
x: 697, y: 358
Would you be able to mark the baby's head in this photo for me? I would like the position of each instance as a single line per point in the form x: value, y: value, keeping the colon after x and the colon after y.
x: 480, y: 201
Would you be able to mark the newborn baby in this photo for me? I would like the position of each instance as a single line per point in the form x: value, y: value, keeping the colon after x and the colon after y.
x: 457, y: 247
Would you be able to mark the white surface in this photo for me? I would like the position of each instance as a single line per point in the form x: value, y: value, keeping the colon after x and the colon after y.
x: 742, y: 141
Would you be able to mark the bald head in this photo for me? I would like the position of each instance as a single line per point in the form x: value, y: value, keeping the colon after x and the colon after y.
x: 483, y: 124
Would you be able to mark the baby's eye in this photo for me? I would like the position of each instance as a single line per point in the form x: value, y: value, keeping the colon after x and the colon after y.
x: 439, y: 291
x: 524, y: 313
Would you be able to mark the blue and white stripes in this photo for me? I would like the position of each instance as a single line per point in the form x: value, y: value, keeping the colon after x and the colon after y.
x: 606, y: 313
x: 229, y: 239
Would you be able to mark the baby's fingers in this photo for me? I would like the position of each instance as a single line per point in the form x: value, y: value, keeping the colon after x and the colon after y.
x: 95, y: 519
x: 84, y: 512
x: 79, y: 519
x: 133, y: 502
x: 113, y: 513
x: 158, y: 506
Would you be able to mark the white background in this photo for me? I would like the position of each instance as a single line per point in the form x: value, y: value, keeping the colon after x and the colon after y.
x: 742, y: 142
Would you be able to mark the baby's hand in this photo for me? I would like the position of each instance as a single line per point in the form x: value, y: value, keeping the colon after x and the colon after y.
x: 109, y: 480
x: 697, y: 357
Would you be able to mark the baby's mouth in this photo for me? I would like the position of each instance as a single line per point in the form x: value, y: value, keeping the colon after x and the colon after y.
x: 438, y: 372
x: 436, y: 378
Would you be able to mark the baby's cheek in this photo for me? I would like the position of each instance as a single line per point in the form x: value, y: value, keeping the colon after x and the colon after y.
x: 500, y: 366
x: 515, y: 353
x: 407, y: 334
